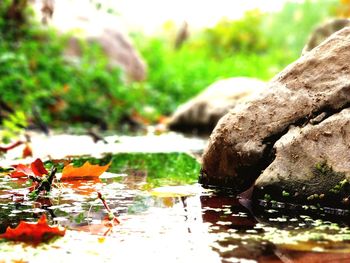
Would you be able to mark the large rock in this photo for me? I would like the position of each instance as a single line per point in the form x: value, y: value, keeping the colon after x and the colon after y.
x: 202, y: 113
x: 117, y: 47
x: 85, y: 22
x: 241, y: 144
x: 312, y: 164
x: 322, y: 32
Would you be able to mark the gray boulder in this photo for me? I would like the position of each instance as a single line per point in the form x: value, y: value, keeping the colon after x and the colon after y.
x: 86, y: 23
x: 311, y: 165
x: 322, y: 32
x: 241, y: 145
x: 116, y: 46
x: 202, y: 113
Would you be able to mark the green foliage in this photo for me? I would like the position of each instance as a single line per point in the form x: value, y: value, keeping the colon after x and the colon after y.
x: 289, y: 29
x: 177, y: 75
x: 13, y: 18
x: 258, y: 45
x: 13, y: 126
x: 244, y: 35
x: 35, y: 75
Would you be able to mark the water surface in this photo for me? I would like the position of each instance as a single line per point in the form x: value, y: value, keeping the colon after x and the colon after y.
x: 162, y: 223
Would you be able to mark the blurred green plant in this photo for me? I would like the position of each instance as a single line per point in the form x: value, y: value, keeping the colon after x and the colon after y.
x: 35, y: 74
x: 258, y: 45
x: 35, y: 77
x: 243, y: 35
x: 13, y: 126
x: 14, y: 16
x: 177, y: 75
x: 289, y: 29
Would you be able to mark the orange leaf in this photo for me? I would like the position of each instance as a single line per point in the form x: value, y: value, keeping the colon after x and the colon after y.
x: 34, y: 233
x: 27, y: 151
x: 86, y: 170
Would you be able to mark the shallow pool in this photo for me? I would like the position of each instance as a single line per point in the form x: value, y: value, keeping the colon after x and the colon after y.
x: 166, y: 223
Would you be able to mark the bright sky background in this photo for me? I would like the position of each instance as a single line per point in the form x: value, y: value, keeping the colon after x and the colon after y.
x: 150, y: 14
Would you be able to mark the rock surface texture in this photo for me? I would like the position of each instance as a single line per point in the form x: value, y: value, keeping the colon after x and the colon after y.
x: 316, y: 85
x: 202, y: 113
x: 312, y: 164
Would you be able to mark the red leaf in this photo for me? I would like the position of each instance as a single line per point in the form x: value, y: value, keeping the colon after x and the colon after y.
x: 21, y: 171
x: 16, y: 174
x: 38, y: 168
x: 33, y: 233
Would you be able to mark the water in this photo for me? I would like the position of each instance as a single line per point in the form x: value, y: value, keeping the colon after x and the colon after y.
x: 183, y: 223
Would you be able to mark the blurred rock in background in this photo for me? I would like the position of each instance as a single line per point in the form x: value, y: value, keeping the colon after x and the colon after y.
x: 323, y: 31
x: 88, y: 22
x: 201, y: 113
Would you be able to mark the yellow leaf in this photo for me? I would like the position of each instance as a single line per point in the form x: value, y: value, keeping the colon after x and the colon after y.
x: 175, y: 191
x: 168, y: 201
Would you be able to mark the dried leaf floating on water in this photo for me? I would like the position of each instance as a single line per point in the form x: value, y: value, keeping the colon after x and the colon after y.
x: 85, y: 171
x: 36, y: 168
x: 33, y: 233
x: 21, y: 171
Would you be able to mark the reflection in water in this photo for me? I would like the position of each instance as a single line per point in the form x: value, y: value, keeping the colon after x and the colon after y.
x: 232, y: 223
x: 171, y: 224
x: 135, y: 179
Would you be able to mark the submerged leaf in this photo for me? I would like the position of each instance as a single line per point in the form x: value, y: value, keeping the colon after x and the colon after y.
x: 33, y: 233
x: 86, y: 170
